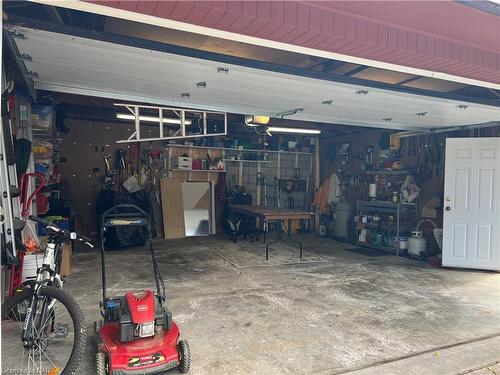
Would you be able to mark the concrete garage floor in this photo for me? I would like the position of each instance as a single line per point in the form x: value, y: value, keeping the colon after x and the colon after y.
x: 343, y: 313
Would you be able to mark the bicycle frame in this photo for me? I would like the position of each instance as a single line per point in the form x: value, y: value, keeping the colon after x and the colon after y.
x: 43, y: 315
x: 47, y: 274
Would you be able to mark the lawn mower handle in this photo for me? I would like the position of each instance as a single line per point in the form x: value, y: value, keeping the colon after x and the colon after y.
x: 133, y: 211
x: 137, y: 208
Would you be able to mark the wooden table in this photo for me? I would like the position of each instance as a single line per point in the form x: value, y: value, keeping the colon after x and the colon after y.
x: 267, y: 214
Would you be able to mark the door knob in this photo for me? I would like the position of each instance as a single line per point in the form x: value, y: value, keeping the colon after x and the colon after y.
x: 448, y: 208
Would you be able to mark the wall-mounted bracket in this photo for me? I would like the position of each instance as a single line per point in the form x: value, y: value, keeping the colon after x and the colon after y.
x: 25, y: 57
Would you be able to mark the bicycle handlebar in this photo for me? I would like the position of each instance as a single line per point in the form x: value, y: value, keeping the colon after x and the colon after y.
x: 84, y: 238
x: 39, y: 220
x: 56, y: 229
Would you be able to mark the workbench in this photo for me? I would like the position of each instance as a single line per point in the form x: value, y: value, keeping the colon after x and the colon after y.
x: 268, y: 214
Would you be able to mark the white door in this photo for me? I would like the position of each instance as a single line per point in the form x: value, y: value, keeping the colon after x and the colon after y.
x: 471, y: 230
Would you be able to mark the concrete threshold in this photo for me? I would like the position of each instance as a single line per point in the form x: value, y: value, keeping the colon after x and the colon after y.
x: 458, y: 359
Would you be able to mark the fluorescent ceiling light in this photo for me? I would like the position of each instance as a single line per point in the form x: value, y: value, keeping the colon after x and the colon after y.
x: 166, y: 120
x: 275, y: 129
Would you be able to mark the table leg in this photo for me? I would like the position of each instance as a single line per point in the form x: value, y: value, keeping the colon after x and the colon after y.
x: 289, y: 235
x: 278, y: 239
x: 236, y: 229
x: 265, y: 225
x: 279, y: 225
x: 287, y: 238
x: 244, y: 223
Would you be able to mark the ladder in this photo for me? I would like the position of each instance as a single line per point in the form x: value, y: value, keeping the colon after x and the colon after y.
x: 158, y: 121
x: 8, y: 183
x: 9, y: 190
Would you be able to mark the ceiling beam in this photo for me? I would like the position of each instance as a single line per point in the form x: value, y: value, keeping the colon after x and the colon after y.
x: 495, y: 92
x: 317, y: 63
x: 332, y: 64
x: 408, y: 80
x: 356, y: 70
x: 54, y: 15
x: 326, y: 65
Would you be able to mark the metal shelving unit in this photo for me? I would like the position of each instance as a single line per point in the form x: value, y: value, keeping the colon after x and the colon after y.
x: 405, y: 219
x: 199, y: 170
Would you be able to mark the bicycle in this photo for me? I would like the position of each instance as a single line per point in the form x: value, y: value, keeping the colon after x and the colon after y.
x: 43, y: 327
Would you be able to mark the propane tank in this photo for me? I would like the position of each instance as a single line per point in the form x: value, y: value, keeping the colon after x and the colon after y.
x: 372, y: 192
x: 416, y: 243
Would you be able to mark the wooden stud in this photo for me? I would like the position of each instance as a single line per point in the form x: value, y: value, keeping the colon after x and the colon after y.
x: 317, y: 179
x: 240, y: 173
x: 258, y: 187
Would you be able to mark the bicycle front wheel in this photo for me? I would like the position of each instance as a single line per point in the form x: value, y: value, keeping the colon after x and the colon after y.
x: 56, y: 338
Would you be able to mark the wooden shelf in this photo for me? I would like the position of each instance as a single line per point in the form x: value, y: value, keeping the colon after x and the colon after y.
x: 247, y: 161
x: 198, y: 170
x: 238, y: 150
x: 388, y: 171
x: 390, y: 226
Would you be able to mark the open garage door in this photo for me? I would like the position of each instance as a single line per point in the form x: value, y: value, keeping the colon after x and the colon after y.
x: 122, y: 68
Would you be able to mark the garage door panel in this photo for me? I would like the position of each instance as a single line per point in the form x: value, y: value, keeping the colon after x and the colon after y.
x: 74, y: 64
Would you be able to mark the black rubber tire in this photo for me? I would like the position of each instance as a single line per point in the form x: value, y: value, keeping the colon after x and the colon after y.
x: 74, y: 311
x: 184, y: 356
x: 100, y: 364
x: 10, y: 302
x: 97, y: 339
x: 97, y: 326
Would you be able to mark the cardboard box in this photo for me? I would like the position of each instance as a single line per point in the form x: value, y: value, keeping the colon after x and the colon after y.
x: 67, y: 252
x: 172, y: 208
x: 184, y: 162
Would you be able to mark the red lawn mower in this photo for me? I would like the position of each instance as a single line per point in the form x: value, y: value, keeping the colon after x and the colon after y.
x: 138, y: 335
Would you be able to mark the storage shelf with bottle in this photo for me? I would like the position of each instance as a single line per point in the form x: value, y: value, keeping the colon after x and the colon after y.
x: 181, y: 158
x: 385, y: 225
x: 45, y: 154
x: 45, y: 142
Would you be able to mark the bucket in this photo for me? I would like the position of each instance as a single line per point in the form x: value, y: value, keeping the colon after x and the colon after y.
x: 417, y: 243
x: 403, y: 243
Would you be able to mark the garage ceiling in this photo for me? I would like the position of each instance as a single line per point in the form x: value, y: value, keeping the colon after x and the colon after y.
x: 70, y: 64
